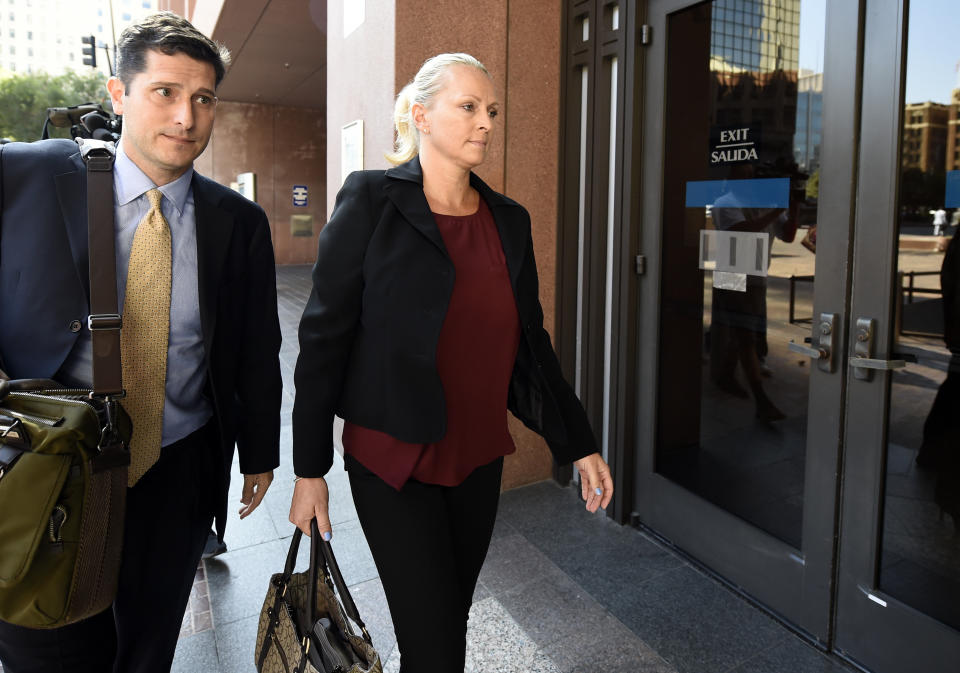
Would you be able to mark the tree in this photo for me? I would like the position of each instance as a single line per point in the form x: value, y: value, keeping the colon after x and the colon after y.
x: 24, y: 99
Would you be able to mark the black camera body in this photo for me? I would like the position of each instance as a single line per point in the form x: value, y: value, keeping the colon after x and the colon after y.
x: 87, y: 120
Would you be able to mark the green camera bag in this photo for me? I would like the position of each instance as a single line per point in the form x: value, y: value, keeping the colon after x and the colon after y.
x: 63, y: 485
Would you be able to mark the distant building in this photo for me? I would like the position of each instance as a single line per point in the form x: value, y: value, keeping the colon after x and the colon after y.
x: 44, y: 35
x: 925, y: 136
x: 754, y: 57
x: 953, y: 130
x: 808, y: 138
x: 756, y: 35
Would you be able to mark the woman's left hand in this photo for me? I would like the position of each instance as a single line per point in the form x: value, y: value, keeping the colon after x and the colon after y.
x: 596, y: 483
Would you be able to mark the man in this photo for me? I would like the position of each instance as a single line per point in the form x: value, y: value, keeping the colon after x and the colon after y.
x: 219, y: 376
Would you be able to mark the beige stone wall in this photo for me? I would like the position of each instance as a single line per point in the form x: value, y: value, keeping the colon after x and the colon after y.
x: 519, y: 42
x: 283, y: 146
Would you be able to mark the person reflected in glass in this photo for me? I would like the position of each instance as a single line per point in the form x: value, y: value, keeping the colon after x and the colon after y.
x: 738, y: 324
x: 423, y: 328
x: 940, y: 450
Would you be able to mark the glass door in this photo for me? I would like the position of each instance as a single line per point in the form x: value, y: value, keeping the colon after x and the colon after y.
x: 898, y: 603
x: 749, y: 129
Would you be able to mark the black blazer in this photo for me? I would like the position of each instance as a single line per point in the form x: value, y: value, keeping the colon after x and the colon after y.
x: 368, y: 337
x: 44, y: 291
x: 950, y: 283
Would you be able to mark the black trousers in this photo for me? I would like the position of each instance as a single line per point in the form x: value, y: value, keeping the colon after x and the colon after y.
x: 168, y: 517
x: 428, y: 543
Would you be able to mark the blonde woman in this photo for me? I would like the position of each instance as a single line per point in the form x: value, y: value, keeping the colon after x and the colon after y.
x: 424, y: 326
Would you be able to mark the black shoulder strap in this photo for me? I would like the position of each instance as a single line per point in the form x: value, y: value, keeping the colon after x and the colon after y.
x: 104, y: 320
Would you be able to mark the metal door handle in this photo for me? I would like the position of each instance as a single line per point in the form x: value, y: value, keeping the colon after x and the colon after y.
x: 812, y: 353
x: 862, y: 360
x: 871, y: 363
x: 822, y: 352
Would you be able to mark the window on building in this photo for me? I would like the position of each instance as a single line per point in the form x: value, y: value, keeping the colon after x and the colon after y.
x: 99, y: 12
x: 126, y: 16
x: 146, y: 4
x: 13, y: 50
x: 29, y: 34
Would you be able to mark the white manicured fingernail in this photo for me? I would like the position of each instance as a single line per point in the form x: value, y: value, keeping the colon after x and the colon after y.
x: 326, y: 536
x: 599, y: 491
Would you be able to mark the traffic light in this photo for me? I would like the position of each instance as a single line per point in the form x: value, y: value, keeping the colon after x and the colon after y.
x: 89, y: 50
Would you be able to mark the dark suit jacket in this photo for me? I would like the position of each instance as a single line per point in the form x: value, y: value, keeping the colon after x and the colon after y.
x: 368, y: 337
x: 44, y: 290
x: 950, y: 283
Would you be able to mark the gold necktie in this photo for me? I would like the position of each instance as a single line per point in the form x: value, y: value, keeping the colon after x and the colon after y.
x: 145, y: 334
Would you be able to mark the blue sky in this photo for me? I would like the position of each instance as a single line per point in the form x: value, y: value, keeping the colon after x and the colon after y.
x: 933, y: 50
x: 933, y: 47
x: 812, y: 26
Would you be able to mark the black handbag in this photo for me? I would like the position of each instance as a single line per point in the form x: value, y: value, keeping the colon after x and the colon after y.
x: 305, y: 619
x: 64, y: 456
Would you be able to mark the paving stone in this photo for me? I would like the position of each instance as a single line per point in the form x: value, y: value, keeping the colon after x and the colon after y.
x: 605, y: 645
x: 238, y: 580
x: 794, y: 656
x: 696, y: 624
x: 512, y: 561
x: 196, y: 653
x: 497, y: 644
x: 551, y: 608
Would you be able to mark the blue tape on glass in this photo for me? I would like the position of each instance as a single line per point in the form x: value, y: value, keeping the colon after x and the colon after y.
x: 755, y: 193
x: 952, y: 198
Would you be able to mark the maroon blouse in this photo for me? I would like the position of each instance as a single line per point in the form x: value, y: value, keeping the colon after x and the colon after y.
x: 475, y: 357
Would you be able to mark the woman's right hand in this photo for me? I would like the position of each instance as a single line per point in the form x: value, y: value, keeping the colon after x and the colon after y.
x: 310, y: 500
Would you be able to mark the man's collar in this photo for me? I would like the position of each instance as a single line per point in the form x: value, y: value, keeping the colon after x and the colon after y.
x: 130, y: 182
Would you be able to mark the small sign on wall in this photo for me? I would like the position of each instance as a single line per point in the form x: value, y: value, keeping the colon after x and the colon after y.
x: 351, y: 149
x: 247, y: 185
x: 301, y: 225
x: 300, y: 196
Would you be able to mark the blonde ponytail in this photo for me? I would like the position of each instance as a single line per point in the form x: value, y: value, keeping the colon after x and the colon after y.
x: 408, y: 136
x: 427, y: 83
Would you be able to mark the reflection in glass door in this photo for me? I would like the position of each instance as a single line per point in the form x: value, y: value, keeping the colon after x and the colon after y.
x: 749, y: 112
x: 742, y: 161
x: 898, y: 604
x: 920, y: 557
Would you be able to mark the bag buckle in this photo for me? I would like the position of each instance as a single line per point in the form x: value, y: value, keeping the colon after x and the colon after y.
x: 99, y: 321
x: 98, y: 155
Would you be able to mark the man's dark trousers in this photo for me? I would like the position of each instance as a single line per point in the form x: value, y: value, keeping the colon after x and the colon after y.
x: 168, y: 516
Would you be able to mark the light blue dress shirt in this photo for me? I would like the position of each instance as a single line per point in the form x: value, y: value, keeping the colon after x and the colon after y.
x: 186, y: 409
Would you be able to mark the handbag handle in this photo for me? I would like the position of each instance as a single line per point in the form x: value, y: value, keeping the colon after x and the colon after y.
x: 348, y: 605
x: 322, y: 553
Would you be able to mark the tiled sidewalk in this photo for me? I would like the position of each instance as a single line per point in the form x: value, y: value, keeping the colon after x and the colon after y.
x: 561, y: 591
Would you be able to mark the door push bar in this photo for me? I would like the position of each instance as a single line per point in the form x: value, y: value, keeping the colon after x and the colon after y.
x: 823, y: 351
x: 862, y: 361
